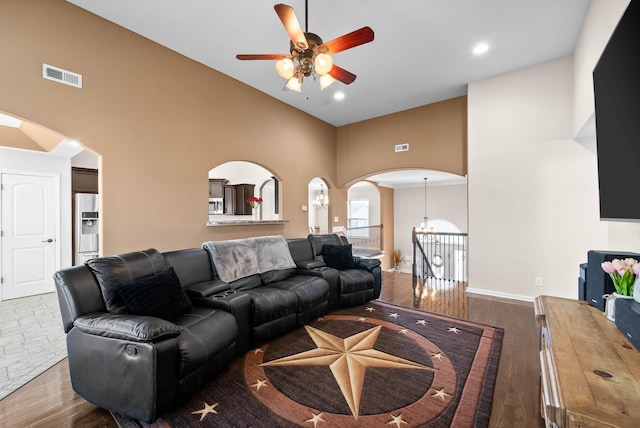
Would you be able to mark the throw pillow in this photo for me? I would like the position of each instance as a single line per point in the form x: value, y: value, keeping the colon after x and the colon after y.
x: 112, y: 271
x: 338, y: 256
x: 158, y: 295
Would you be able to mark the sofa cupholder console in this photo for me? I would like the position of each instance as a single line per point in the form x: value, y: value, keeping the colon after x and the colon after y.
x: 189, y: 312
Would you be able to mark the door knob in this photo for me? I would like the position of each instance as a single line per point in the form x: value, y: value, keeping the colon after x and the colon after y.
x: 48, y: 240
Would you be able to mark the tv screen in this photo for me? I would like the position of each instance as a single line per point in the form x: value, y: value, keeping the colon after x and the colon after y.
x: 616, y: 80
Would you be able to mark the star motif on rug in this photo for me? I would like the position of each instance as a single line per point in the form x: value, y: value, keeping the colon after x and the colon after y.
x: 393, y: 315
x: 404, y: 331
x: 257, y: 350
x: 206, y: 410
x: 422, y: 322
x: 440, y: 393
x: 259, y: 384
x: 316, y: 419
x: 438, y: 356
x: 348, y: 360
x: 396, y: 420
x: 453, y: 329
x: 369, y: 308
x: 362, y: 319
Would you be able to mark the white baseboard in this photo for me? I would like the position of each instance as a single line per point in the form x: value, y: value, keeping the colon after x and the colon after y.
x: 500, y: 294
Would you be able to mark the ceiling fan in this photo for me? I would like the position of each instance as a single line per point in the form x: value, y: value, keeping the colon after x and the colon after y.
x: 309, y: 55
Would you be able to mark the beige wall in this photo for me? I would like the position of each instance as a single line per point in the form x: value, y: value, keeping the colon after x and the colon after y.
x: 436, y: 133
x: 14, y: 137
x: 387, y: 219
x: 160, y: 122
x: 158, y: 135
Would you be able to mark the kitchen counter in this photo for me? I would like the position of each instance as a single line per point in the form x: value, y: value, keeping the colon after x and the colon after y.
x: 213, y: 223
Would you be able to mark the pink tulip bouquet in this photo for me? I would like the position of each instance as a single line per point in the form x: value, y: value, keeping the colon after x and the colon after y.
x: 623, y: 273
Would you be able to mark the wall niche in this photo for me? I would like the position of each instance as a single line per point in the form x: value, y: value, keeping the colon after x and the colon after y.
x: 232, y: 183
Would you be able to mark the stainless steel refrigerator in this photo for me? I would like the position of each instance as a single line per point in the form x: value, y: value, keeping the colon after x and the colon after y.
x: 86, y: 227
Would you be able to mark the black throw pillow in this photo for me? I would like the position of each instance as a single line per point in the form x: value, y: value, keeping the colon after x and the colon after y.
x: 159, y: 295
x: 338, y: 256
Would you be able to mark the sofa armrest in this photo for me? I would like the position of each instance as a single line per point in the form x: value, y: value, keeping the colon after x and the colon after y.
x: 366, y: 264
x: 331, y: 275
x: 136, y: 328
x: 310, y: 264
x: 207, y: 288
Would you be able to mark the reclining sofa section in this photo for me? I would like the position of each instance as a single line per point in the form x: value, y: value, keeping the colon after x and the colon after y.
x: 145, y: 330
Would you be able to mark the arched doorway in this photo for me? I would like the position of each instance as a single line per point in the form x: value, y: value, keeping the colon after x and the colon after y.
x: 232, y: 183
x: 318, y: 208
x: 364, y: 225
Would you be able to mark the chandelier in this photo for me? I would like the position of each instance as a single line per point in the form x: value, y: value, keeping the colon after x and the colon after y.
x: 321, y: 201
x: 425, y: 219
x: 312, y: 62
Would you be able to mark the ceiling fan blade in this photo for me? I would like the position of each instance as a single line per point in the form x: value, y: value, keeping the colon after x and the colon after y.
x: 292, y: 25
x: 348, y: 41
x: 342, y: 75
x: 261, y: 56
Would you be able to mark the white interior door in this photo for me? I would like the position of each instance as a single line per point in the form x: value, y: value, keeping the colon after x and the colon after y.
x: 28, y: 235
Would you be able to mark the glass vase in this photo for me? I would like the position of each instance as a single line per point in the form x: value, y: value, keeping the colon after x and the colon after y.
x: 636, y: 289
x: 610, y: 304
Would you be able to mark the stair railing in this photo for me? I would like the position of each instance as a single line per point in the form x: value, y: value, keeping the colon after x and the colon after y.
x: 439, y: 255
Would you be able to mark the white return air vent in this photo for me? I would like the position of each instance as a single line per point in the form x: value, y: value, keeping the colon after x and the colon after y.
x: 402, y: 147
x: 62, y: 76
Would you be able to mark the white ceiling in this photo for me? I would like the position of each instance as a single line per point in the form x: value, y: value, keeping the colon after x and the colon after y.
x: 421, y: 53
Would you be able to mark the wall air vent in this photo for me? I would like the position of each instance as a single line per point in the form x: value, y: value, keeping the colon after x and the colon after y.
x: 402, y: 147
x: 62, y: 76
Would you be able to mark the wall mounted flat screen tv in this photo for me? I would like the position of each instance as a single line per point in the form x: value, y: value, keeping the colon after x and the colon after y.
x: 616, y: 80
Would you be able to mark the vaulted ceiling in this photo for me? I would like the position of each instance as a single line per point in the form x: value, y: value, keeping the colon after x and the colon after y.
x: 422, y: 51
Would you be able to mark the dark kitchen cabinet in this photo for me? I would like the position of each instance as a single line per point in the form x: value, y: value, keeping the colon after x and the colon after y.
x: 229, y: 200
x: 216, y: 187
x: 243, y: 192
x: 84, y: 180
x: 235, y: 199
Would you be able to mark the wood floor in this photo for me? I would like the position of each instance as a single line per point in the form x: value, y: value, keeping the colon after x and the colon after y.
x: 49, y: 401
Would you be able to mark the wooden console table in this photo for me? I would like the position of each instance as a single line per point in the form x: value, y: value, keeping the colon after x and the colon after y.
x: 590, y: 372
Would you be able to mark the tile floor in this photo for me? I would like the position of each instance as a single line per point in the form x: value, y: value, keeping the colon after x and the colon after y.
x: 31, y: 339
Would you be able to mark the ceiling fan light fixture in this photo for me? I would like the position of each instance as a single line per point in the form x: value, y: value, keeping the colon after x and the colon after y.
x: 285, y: 68
x: 294, y: 84
x: 308, y: 54
x: 326, y: 80
x: 323, y: 63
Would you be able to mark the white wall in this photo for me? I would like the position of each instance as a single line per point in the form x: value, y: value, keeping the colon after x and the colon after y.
x: 367, y: 192
x: 240, y: 172
x: 601, y: 20
x: 533, y: 194
x: 443, y: 203
x: 86, y: 159
x: 26, y: 161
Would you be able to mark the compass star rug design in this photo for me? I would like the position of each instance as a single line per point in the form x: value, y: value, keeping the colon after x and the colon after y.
x: 377, y: 365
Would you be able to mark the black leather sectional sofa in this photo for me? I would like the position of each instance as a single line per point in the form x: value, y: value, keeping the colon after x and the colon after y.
x: 146, y: 330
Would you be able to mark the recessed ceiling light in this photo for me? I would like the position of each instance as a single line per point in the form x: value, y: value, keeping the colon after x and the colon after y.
x: 480, y: 48
x: 9, y: 121
x: 338, y: 95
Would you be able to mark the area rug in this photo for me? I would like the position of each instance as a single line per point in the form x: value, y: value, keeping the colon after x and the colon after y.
x: 370, y: 366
